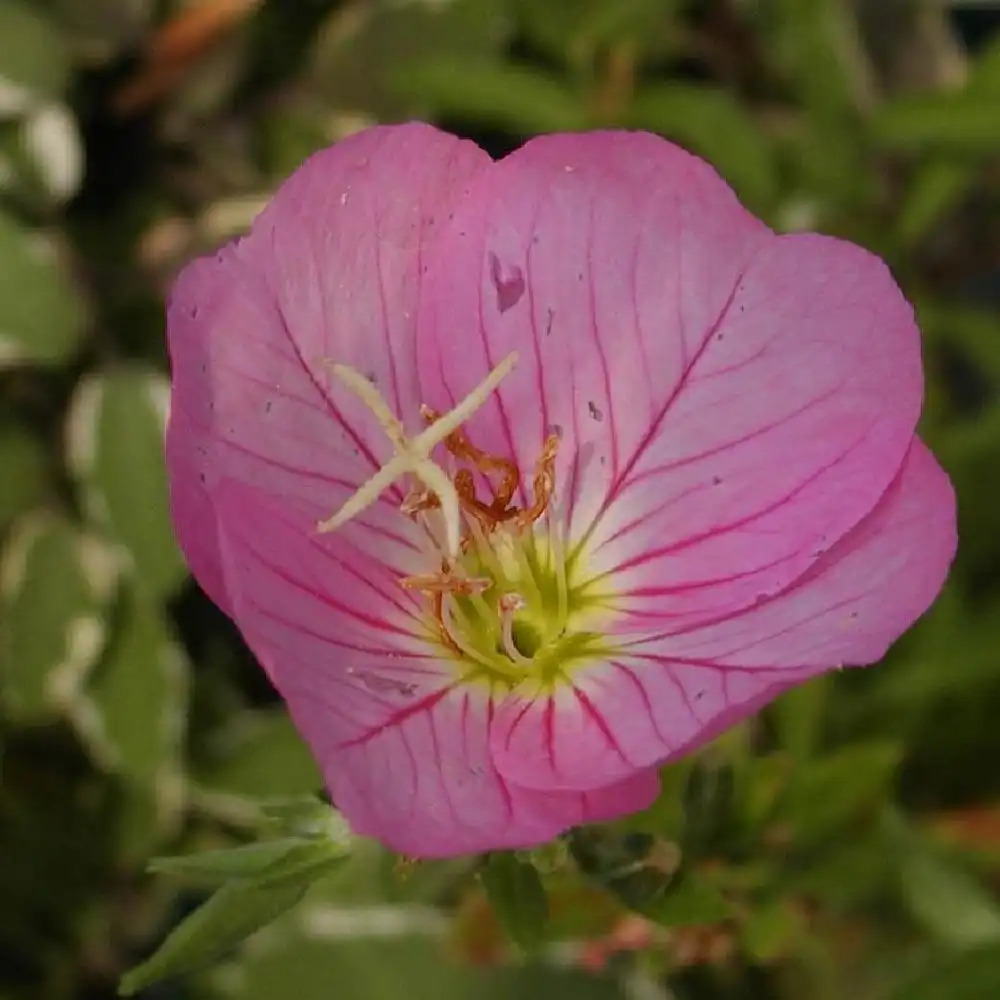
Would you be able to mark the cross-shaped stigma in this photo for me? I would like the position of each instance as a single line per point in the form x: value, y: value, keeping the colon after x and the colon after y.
x: 413, y: 455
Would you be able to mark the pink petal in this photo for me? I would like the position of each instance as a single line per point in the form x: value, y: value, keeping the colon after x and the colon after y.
x: 596, y: 257
x: 664, y: 695
x: 731, y: 402
x: 331, y: 271
x: 859, y: 597
x: 403, y: 746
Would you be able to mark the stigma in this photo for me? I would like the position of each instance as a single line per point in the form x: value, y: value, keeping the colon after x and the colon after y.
x: 413, y: 455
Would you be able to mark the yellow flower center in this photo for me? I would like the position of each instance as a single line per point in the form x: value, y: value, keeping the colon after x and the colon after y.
x: 505, y: 600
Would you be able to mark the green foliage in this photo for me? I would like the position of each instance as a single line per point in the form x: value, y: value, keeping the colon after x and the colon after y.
x: 235, y: 911
x: 41, y: 312
x: 517, y: 896
x: 843, y: 844
x: 115, y: 430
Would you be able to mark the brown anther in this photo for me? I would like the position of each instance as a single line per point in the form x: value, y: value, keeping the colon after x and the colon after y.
x: 462, y: 448
x: 438, y: 586
x: 542, y: 484
x: 445, y: 582
x: 488, y: 518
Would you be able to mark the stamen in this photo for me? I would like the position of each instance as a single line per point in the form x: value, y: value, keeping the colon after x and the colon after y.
x: 542, y: 484
x: 485, y: 551
x: 510, y: 603
x: 462, y: 448
x: 454, y: 635
x: 557, y: 553
x: 413, y: 454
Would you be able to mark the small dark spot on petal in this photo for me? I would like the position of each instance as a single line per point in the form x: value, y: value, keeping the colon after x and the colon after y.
x: 699, y: 696
x: 716, y: 480
x: 268, y: 405
x: 549, y: 317
x: 509, y: 287
x: 594, y: 412
x: 604, y: 459
x: 556, y: 429
x: 720, y: 336
x: 194, y: 312
x: 853, y: 615
x: 201, y: 476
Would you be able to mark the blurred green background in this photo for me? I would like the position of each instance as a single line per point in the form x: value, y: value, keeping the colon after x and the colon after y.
x: 844, y: 845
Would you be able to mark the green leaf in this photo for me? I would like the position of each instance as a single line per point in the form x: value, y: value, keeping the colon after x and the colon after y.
x: 687, y: 901
x: 26, y: 478
x: 934, y: 190
x: 770, y: 930
x: 941, y: 896
x: 247, y: 860
x: 216, y: 927
x: 709, y: 806
x: 265, y: 863
x: 575, y: 30
x: 138, y: 696
x: 234, y: 912
x: 817, y: 45
x: 517, y: 98
x: 33, y: 53
x: 55, y: 587
x: 764, y: 781
x: 798, y: 716
x: 362, y: 47
x: 971, y: 975
x: 665, y: 817
x: 305, y: 816
x: 828, y: 793
x: 42, y: 155
x: 518, y: 898
x: 712, y: 123
x: 968, y: 123
x: 41, y: 313
x: 115, y: 451
x: 384, y: 952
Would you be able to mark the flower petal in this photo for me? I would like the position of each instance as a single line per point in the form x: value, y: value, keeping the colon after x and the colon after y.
x: 860, y: 596
x: 330, y: 272
x: 403, y: 746
x: 602, y: 259
x: 731, y: 402
x: 664, y: 695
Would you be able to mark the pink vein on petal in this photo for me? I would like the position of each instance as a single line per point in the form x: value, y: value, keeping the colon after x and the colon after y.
x: 425, y: 704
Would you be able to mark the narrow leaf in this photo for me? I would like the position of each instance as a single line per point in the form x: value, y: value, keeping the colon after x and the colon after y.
x: 234, y: 912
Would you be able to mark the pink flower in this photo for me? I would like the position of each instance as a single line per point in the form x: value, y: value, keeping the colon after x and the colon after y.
x: 686, y: 477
